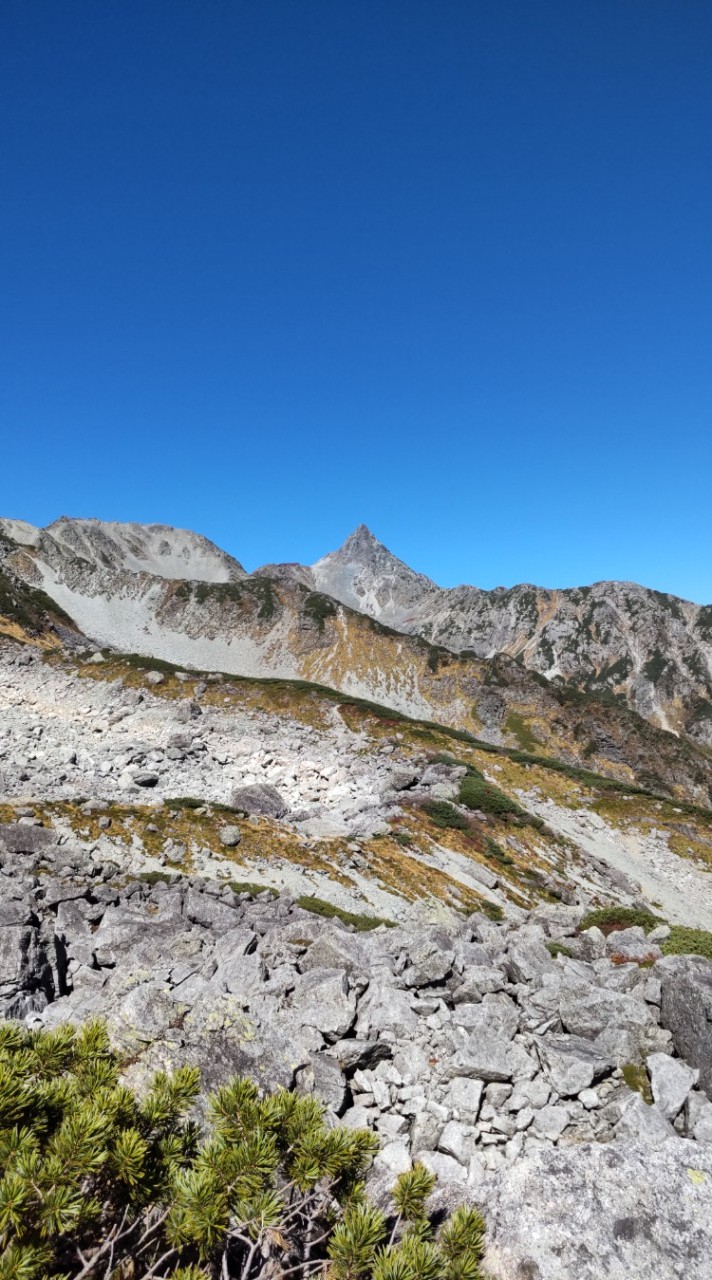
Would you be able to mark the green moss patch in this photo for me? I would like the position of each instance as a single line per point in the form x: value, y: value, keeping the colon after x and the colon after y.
x: 636, y: 1077
x: 361, y: 923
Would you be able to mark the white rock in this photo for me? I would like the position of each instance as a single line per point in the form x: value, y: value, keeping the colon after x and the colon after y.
x: 395, y: 1158
x: 671, y: 1081
x: 589, y: 1099
x: 458, y: 1140
x: 464, y: 1095
x: 550, y: 1122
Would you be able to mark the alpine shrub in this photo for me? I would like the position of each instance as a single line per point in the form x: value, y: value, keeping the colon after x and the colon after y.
x: 96, y: 1182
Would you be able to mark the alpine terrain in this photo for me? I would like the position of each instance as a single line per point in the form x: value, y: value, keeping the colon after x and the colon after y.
x: 438, y: 859
x: 652, y: 650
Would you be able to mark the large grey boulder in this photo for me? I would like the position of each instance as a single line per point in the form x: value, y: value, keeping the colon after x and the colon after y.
x: 386, y: 1010
x: 632, y: 945
x: 464, y: 1096
x: 16, y: 837
x: 550, y: 1122
x: 478, y: 981
x: 203, y: 908
x: 589, y: 945
x: 528, y: 958
x: 623, y: 1211
x: 323, y: 1077
x: 133, y: 941
x: 260, y: 799
x: 431, y: 956
x: 145, y: 1015
x: 557, y: 919
x: 25, y: 973
x: 352, y: 1053
x: 643, y: 1123
x: 588, y: 1012
x: 322, y: 999
x: 335, y: 948
x: 485, y: 1056
x: 230, y: 836
x: 702, y: 1128
x: 240, y: 973
x: 686, y: 1010
x: 496, y: 1012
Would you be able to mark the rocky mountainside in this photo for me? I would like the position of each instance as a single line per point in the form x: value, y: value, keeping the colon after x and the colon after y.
x: 469, y: 936
x: 114, y: 549
x: 260, y: 626
x: 652, y: 650
x: 557, y: 1076
x: 376, y: 813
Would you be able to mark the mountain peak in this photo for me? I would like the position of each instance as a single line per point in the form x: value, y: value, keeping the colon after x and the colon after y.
x: 365, y: 575
x: 361, y: 540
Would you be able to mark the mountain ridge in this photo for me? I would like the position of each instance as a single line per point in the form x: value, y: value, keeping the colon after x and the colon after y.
x: 122, y: 585
x: 651, y: 648
x: 275, y: 627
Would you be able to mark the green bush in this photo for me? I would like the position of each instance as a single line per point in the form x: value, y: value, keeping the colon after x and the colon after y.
x: 557, y: 949
x: 403, y: 838
x: 319, y: 607
x: 195, y: 802
x: 687, y: 942
x: 609, y: 919
x: 493, y: 851
x: 444, y: 814
x: 156, y: 877
x: 251, y: 887
x: 95, y: 1182
x: 477, y: 793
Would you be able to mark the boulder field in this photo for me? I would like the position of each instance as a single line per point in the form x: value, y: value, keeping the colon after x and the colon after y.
x: 566, y: 1093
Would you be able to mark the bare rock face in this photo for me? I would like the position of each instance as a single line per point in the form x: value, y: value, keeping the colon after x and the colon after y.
x: 136, y: 548
x: 686, y: 1010
x: 619, y: 1211
x: 366, y: 576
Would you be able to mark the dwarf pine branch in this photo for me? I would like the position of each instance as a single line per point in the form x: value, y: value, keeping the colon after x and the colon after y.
x: 97, y: 1183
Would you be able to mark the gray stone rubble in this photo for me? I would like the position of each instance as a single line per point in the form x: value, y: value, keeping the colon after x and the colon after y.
x: 466, y: 1044
x: 64, y: 736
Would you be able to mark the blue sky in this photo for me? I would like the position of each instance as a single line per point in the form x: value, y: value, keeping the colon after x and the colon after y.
x: 272, y: 269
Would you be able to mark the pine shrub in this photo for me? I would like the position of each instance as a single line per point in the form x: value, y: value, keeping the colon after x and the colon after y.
x: 97, y: 1182
x: 684, y: 941
x: 444, y: 814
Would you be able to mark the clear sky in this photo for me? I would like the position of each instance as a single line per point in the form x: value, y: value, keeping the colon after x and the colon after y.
x: 270, y: 268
